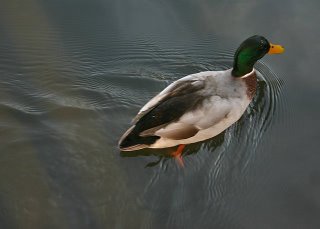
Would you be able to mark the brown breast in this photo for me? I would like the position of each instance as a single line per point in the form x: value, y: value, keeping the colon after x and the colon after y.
x: 251, y: 82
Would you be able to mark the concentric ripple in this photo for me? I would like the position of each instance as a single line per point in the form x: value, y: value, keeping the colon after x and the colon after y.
x: 221, y: 160
x: 66, y: 99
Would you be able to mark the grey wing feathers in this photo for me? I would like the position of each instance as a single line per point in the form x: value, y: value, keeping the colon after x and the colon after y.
x: 182, y: 97
x: 177, y: 88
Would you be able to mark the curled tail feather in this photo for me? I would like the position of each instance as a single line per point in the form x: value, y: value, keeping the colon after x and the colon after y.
x: 131, y: 140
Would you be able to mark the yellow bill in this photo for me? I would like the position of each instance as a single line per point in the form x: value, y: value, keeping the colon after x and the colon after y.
x: 275, y: 49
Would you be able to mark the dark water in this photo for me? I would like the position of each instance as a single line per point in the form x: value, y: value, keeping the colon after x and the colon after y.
x: 74, y: 73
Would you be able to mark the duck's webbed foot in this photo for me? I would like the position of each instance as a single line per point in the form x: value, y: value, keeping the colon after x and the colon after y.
x: 178, y: 155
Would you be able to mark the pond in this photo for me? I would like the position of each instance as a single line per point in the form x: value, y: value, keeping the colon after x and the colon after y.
x: 73, y: 75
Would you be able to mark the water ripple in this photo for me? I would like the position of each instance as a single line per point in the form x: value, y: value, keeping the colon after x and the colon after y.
x: 227, y: 157
x: 85, y: 88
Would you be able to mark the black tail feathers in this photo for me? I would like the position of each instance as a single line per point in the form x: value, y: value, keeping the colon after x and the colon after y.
x: 131, y: 140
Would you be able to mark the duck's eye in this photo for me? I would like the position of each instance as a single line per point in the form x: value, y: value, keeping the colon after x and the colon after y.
x: 262, y: 47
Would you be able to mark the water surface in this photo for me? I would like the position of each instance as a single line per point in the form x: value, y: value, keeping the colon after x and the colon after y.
x: 74, y: 74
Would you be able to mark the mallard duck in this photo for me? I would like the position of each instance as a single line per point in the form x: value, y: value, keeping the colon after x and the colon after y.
x: 199, y: 106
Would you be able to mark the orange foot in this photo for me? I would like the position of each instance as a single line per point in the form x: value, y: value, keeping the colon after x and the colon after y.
x: 178, y: 155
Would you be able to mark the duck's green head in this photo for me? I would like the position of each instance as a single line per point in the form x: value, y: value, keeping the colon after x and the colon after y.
x: 250, y: 51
